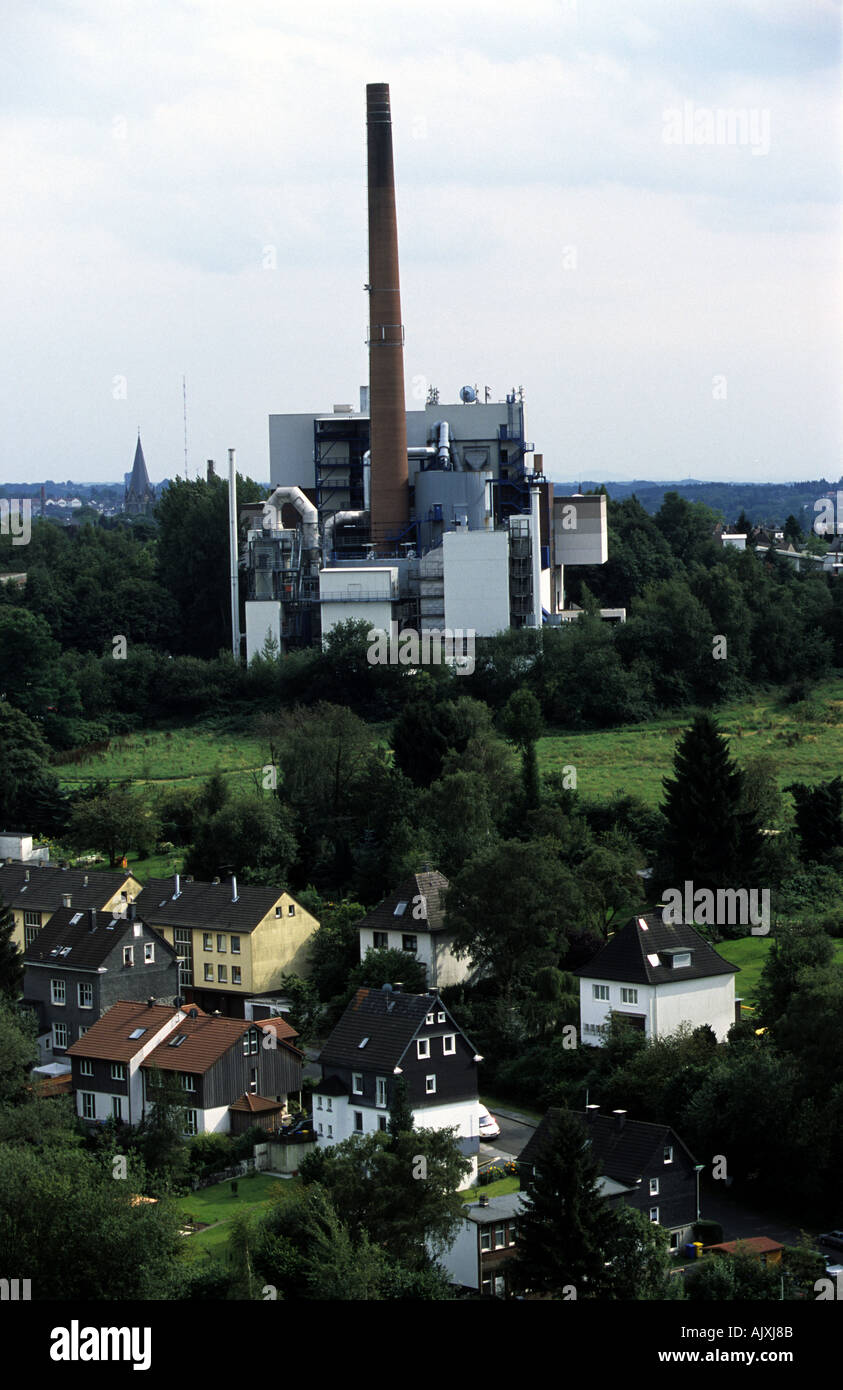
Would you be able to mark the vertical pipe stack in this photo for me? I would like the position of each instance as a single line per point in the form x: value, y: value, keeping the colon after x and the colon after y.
x: 233, y: 554
x: 388, y: 429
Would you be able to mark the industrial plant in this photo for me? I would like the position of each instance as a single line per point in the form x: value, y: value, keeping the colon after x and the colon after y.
x: 440, y: 517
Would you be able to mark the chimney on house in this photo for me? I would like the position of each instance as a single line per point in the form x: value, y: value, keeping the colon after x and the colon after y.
x: 150, y: 1001
x: 398, y: 987
x: 131, y: 910
x: 85, y: 881
x: 620, y: 1119
x: 233, y: 889
x: 483, y: 1201
x: 66, y: 900
x: 178, y: 886
x: 591, y: 1111
x: 92, y: 919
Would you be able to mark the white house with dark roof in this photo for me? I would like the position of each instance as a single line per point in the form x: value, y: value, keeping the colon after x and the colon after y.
x: 412, y: 919
x: 385, y: 1034
x: 657, y: 976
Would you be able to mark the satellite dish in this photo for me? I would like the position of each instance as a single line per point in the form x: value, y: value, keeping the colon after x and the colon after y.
x: 468, y: 395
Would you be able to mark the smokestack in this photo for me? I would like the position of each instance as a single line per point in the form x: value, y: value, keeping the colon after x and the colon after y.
x: 233, y: 556
x: 388, y: 422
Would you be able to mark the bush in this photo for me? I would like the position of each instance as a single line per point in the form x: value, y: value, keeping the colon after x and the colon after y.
x: 208, y: 1153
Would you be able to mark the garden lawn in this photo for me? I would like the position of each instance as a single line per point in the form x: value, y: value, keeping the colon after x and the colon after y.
x: 496, y: 1189
x: 217, y: 1203
x: 750, y: 953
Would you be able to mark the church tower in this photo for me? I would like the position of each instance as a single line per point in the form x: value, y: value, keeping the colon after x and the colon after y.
x: 140, y: 494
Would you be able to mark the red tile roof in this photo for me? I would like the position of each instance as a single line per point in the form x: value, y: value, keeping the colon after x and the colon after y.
x: 256, y: 1104
x: 109, y: 1039
x: 754, y: 1245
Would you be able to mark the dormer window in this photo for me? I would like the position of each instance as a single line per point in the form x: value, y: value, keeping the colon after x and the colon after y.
x: 668, y: 1153
x: 682, y: 958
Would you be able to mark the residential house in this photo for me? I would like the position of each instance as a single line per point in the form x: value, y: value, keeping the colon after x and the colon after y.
x: 215, y: 1061
x: 642, y: 1165
x: 234, y: 942
x: 36, y: 890
x: 412, y: 919
x: 385, y: 1034
x: 656, y: 976
x: 485, y: 1245
x: 81, y: 963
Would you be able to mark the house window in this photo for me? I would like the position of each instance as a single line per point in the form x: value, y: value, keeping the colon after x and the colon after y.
x: 86, y: 1067
x: 32, y: 919
x: 410, y: 944
x: 654, y: 1215
x: 235, y: 945
x: 358, y: 1121
x: 430, y: 1085
x: 330, y: 1131
x: 629, y: 996
x: 357, y: 1083
x: 128, y: 955
x: 429, y: 1018
x: 381, y: 940
x: 668, y: 1153
x: 221, y: 943
x: 209, y: 972
x: 600, y: 991
x: 422, y: 1047
x: 500, y: 1240
x: 88, y: 1105
x: 59, y: 1035
x: 253, y: 1083
x: 190, y: 1124
x: 291, y: 910
x: 329, y: 1104
x: 440, y: 1018
x: 82, y: 1031
x: 86, y: 996
x: 118, y: 1071
x: 318, y: 1102
x: 380, y: 1090
x: 183, y: 942
x: 321, y: 1130
x: 674, y: 1240
x: 654, y: 1187
x: 246, y: 1043
x: 236, y: 975
x: 512, y: 1232
x: 207, y: 941
x: 381, y: 1122
x: 187, y: 1081
x: 148, y: 953
x: 57, y: 991
x: 117, y: 1107
x: 253, y: 1042
x: 222, y: 974
x: 486, y: 1238
x: 449, y: 1044
x: 29, y: 935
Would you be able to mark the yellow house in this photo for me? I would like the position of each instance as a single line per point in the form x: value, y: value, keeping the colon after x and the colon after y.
x: 234, y: 942
x: 35, y: 891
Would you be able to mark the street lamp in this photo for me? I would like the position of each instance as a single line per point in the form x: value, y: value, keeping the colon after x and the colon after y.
x: 698, y: 1167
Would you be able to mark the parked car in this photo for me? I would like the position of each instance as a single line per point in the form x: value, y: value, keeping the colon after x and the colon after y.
x: 833, y: 1238
x: 488, y: 1125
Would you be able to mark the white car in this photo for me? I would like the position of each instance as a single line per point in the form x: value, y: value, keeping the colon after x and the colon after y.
x: 488, y: 1126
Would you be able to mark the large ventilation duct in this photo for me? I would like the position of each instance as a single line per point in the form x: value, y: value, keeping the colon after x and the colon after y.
x: 331, y: 522
x: 388, y: 427
x: 305, y: 509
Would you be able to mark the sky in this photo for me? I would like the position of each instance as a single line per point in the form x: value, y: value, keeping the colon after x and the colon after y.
x: 629, y: 208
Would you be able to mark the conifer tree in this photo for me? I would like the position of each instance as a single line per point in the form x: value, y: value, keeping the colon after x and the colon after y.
x: 710, y: 837
x: 11, y: 959
x: 565, y: 1231
x: 400, y: 1114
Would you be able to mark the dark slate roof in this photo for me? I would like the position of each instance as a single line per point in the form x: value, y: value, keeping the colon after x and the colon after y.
x: 71, y: 929
x: 42, y: 889
x: 205, y: 905
x: 622, y: 1152
x: 430, y: 885
x: 625, y: 957
x: 332, y: 1086
x: 389, y: 1020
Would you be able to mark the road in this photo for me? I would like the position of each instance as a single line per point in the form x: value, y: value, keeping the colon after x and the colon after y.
x: 516, y: 1129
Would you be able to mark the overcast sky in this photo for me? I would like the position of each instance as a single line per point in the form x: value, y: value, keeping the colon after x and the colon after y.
x: 185, y: 197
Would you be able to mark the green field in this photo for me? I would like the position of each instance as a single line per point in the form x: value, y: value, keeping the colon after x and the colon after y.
x: 217, y: 1205
x: 749, y: 953
x: 805, y: 739
x: 178, y: 753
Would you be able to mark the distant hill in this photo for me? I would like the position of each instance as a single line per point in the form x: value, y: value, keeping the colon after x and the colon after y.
x: 768, y: 503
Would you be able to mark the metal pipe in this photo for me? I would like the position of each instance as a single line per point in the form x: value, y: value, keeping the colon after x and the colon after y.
x: 330, y: 525
x: 444, y: 443
x: 233, y: 555
x: 304, y: 507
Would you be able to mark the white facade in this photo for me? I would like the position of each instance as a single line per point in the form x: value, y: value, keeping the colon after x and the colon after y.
x: 365, y: 593
x: 336, y: 1119
x: 263, y: 619
x: 433, y: 949
x: 133, y: 1103
x: 709, y: 1000
x: 476, y: 579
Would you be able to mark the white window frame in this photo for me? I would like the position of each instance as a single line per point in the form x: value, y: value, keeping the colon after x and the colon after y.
x: 357, y: 1083
x: 500, y: 1226
x: 128, y: 955
x: 235, y: 950
x: 429, y: 1018
x: 209, y: 972
x: 222, y: 974
x: 485, y: 1238
x: 32, y: 919
x: 654, y: 1187
x: 56, y: 1042
x: 207, y: 941
x: 654, y: 1219
x: 430, y: 1090
x: 191, y: 1123
x: 380, y: 1092
x: 221, y: 946
x: 58, y: 993
x: 149, y: 953
x: 118, y: 1071
x: 629, y: 995
x: 668, y: 1153
x: 600, y: 992
x: 86, y: 1067
x: 319, y: 1103
x: 89, y: 988
x: 422, y: 1048
x: 452, y: 1039
x: 440, y: 1017
x: 187, y: 1081
x: 88, y: 1100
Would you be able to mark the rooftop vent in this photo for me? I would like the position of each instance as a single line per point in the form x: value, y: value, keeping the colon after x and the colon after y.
x: 620, y: 1118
